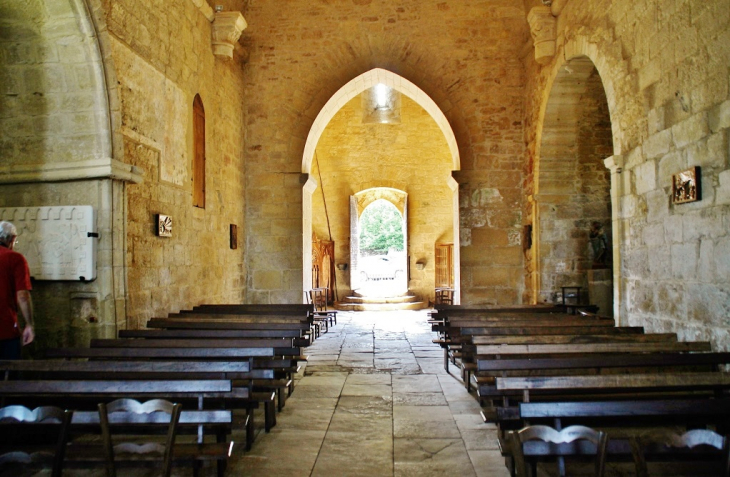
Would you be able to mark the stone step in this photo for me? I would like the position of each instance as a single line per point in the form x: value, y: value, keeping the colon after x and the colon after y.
x: 381, y: 299
x: 416, y: 305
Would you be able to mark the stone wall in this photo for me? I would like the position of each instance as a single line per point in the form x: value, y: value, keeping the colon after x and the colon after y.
x: 55, y: 149
x: 411, y: 156
x: 464, y: 55
x: 664, y: 66
x: 162, y: 56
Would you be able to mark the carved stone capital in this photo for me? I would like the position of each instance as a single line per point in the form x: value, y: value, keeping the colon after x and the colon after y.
x: 227, y: 29
x: 543, y: 26
x: 615, y: 164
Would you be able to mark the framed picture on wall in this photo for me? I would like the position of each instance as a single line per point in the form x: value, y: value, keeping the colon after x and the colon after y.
x: 686, y: 186
x: 164, y: 225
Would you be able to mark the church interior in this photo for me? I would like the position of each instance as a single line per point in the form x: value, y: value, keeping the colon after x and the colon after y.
x: 160, y: 155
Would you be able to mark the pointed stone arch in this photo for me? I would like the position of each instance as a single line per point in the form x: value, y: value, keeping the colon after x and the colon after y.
x: 347, y: 92
x: 615, y: 79
x: 360, y: 84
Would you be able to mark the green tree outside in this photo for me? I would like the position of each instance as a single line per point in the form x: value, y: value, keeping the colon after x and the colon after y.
x: 381, y: 228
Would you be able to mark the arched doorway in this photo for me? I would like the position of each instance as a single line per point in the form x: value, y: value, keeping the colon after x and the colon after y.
x: 379, y: 244
x: 573, y: 200
x: 336, y: 173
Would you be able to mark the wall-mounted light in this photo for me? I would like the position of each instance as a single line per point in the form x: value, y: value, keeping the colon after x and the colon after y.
x: 218, y: 8
x: 421, y: 264
x: 342, y: 266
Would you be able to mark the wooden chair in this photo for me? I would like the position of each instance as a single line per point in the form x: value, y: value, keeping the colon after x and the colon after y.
x: 444, y: 296
x: 556, y: 443
x: 42, y: 456
x: 132, y: 451
x: 704, y: 444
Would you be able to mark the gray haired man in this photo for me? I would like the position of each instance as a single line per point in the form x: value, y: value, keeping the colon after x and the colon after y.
x: 14, y: 295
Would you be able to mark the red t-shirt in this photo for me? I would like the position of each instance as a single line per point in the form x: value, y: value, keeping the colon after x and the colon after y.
x: 14, y: 276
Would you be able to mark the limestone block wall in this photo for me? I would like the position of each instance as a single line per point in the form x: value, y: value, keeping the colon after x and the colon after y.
x: 162, y: 56
x: 664, y: 66
x: 55, y: 149
x: 52, y: 109
x: 70, y: 313
x: 411, y: 156
x: 464, y: 55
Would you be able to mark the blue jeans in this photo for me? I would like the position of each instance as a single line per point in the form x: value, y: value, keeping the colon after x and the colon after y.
x: 10, y: 349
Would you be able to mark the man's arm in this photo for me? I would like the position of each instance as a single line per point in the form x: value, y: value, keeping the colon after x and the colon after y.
x: 25, y: 303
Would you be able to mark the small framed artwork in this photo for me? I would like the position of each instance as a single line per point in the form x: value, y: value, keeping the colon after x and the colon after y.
x: 164, y: 225
x: 234, y: 236
x: 686, y: 186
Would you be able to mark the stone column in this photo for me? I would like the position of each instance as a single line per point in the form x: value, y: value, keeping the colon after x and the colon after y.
x: 615, y: 165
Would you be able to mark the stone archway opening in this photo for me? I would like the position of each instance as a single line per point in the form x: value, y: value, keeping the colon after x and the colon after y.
x: 379, y: 260
x: 384, y: 157
x: 574, y: 189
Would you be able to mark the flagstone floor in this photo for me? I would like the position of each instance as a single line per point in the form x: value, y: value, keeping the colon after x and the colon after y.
x: 375, y: 400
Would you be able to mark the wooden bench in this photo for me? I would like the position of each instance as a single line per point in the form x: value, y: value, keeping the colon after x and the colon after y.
x: 268, y: 399
x: 501, y: 410
x: 38, y: 437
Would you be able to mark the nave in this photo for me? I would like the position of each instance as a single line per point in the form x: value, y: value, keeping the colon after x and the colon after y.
x: 374, y: 400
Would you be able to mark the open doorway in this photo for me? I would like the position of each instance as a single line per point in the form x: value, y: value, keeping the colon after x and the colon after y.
x: 381, y: 264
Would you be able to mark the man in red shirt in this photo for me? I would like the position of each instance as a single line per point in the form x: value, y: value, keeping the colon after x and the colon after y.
x: 14, y: 294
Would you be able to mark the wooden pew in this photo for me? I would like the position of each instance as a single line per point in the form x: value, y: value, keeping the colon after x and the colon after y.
x: 277, y: 384
x: 77, y: 394
x: 261, y: 309
x: 588, y: 364
x: 579, y: 348
x: 570, y: 338
x: 193, y: 354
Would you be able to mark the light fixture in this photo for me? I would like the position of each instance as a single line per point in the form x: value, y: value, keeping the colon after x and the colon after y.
x: 218, y: 8
x: 381, y: 96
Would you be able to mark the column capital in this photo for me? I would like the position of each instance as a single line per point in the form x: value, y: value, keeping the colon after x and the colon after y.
x: 543, y: 27
x: 227, y: 29
x: 614, y: 163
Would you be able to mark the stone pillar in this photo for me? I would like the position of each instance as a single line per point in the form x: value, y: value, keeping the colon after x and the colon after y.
x: 615, y: 165
x: 543, y: 28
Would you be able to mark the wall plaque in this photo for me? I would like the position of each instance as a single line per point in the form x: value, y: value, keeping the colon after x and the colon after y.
x: 58, y: 242
x: 164, y: 225
x: 686, y: 186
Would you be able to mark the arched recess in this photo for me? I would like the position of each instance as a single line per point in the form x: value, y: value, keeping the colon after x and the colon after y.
x: 349, y: 91
x: 60, y: 91
x: 573, y: 187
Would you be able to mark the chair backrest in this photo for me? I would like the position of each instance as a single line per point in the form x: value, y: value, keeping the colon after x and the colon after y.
x: 444, y: 296
x: 115, y: 412
x: 54, y: 456
x: 695, y: 439
x: 552, y: 436
x: 318, y: 298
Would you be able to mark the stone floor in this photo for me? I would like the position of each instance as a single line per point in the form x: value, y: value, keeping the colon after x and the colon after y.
x: 374, y: 400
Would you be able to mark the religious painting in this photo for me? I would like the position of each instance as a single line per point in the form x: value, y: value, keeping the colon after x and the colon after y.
x: 686, y: 186
x: 234, y: 236
x: 164, y: 225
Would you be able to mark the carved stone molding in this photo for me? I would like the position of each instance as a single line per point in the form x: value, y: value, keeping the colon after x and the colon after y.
x: 205, y: 9
x: 543, y: 26
x: 68, y: 171
x: 227, y: 29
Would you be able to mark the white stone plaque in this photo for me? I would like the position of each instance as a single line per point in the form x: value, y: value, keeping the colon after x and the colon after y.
x: 58, y: 242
